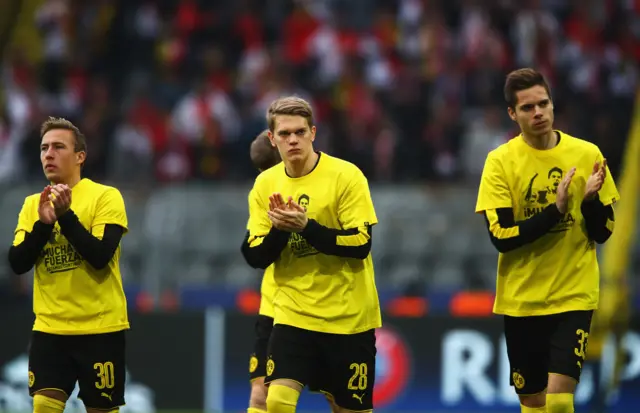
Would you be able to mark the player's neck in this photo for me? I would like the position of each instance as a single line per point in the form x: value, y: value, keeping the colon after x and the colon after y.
x: 541, y: 142
x: 70, y: 182
x: 303, y: 167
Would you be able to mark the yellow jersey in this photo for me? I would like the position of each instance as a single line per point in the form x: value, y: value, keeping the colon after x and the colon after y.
x: 558, y: 272
x: 267, y: 290
x: 316, y: 291
x: 69, y: 296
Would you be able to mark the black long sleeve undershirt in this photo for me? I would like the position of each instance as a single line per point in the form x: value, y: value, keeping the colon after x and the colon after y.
x: 347, y: 243
x: 22, y: 257
x: 97, y: 252
x: 599, y: 219
x: 266, y: 252
x: 507, y: 234
x: 351, y: 244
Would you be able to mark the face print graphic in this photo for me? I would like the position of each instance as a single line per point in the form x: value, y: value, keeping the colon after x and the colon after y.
x: 303, y: 201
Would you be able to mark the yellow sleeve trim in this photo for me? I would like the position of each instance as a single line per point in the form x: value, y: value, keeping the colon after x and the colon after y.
x: 98, y: 231
x: 610, y: 225
x: 497, y: 230
x: 255, y: 240
x: 20, y: 235
x: 355, y: 240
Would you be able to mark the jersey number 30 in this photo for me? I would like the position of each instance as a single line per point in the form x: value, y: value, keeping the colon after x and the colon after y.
x: 105, y: 375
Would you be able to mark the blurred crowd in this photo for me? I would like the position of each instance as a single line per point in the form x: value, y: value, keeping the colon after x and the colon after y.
x: 409, y: 90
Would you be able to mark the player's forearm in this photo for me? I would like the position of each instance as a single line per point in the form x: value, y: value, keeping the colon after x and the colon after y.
x: 348, y: 243
x: 507, y: 234
x: 599, y: 219
x: 97, y: 252
x: 23, y: 257
x: 261, y: 252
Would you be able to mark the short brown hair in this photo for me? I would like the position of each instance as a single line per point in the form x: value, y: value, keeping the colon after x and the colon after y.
x: 61, y: 123
x: 290, y: 105
x: 522, y: 79
x: 263, y: 154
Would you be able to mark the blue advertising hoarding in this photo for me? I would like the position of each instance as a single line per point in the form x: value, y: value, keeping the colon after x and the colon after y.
x: 435, y: 364
x: 431, y: 364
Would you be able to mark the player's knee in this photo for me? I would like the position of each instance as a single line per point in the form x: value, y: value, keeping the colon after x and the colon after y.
x: 53, y: 394
x: 559, y: 384
x: 258, y: 398
x: 282, y: 399
x: 560, y: 403
x: 527, y: 409
x: 44, y: 403
x: 533, y: 403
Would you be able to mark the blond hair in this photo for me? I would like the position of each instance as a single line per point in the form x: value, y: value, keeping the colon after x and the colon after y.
x: 289, y: 105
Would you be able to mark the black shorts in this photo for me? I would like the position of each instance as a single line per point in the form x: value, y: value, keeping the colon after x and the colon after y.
x: 95, y: 361
x: 343, y: 366
x: 258, y: 359
x: 541, y: 345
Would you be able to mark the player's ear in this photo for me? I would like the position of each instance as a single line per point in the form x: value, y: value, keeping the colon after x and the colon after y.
x: 81, y: 157
x: 313, y: 133
x: 512, y: 113
x: 271, y: 138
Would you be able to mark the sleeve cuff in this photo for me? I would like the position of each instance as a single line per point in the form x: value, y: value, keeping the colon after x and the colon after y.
x: 278, y: 234
x: 593, y: 201
x: 41, y: 227
x: 313, y: 227
x: 591, y: 205
x: 67, y: 218
x: 555, y: 212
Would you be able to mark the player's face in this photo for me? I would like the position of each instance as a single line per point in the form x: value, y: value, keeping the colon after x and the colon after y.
x: 533, y: 111
x: 556, y: 178
x: 58, y: 156
x: 293, y: 137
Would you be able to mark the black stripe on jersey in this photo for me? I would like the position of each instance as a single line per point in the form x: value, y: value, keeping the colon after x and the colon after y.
x: 97, y: 252
x: 348, y: 243
x: 507, y: 234
x: 262, y: 251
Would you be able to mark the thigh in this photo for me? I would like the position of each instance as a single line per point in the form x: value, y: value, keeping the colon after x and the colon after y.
x: 258, y: 359
x: 102, y: 371
x: 350, y: 369
x: 569, y: 343
x: 50, y: 364
x: 292, y: 354
x: 528, y: 342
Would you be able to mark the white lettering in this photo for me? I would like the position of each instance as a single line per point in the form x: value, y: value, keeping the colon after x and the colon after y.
x: 466, y: 357
x: 631, y: 345
x: 630, y: 371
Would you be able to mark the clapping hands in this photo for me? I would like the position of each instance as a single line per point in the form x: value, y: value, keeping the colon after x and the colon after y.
x: 54, y: 201
x: 46, y: 212
x: 596, y: 180
x: 286, y: 216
